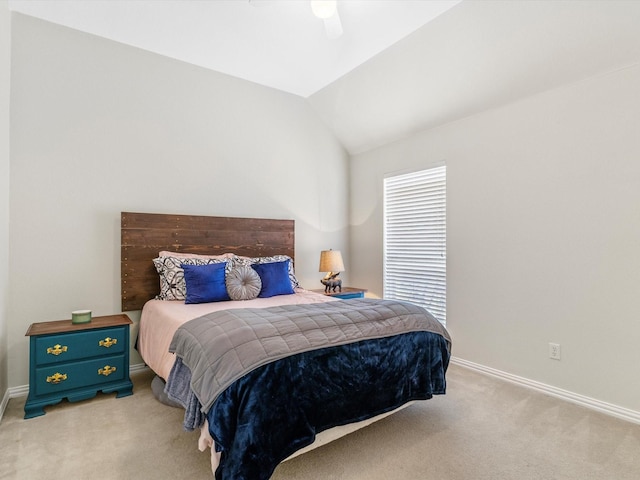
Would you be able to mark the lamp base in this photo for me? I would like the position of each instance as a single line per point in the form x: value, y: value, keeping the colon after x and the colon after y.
x: 331, y: 282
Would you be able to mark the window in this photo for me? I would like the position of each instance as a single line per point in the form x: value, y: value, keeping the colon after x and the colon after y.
x: 415, y: 239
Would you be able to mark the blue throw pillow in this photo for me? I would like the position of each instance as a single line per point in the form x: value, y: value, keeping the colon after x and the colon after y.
x: 205, y: 283
x: 275, y: 278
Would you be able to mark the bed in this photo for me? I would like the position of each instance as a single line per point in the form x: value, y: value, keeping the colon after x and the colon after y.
x: 266, y: 376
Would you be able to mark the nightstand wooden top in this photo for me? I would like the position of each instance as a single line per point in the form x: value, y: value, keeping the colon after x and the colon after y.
x: 344, y: 290
x: 59, y: 326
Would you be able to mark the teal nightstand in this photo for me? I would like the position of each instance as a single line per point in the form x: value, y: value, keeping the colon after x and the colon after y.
x: 346, y: 293
x: 75, y: 361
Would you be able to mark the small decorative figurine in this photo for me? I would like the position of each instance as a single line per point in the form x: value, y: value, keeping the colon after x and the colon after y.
x: 331, y: 282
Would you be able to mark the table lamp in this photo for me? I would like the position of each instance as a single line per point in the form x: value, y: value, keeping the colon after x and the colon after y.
x: 331, y: 262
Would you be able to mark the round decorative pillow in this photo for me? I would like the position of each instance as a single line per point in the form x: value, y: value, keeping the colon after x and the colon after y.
x: 243, y: 283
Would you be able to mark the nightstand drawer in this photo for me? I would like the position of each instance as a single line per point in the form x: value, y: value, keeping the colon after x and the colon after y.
x: 71, y: 346
x: 66, y: 377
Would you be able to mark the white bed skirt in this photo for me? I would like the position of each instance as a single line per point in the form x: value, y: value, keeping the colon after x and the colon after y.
x: 327, y: 436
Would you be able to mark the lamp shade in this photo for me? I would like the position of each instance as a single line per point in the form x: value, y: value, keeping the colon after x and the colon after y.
x: 331, y: 261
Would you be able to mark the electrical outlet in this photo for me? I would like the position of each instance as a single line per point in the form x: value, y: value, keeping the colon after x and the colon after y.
x: 554, y: 351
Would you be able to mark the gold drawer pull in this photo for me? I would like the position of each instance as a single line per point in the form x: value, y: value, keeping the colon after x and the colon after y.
x: 57, y: 378
x: 57, y: 349
x: 106, y: 371
x: 107, y: 342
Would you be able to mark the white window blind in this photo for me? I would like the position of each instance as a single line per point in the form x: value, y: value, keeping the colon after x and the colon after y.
x: 415, y: 239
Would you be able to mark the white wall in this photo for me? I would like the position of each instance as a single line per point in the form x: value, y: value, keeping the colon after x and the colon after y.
x: 99, y: 128
x: 543, y: 233
x: 5, y: 74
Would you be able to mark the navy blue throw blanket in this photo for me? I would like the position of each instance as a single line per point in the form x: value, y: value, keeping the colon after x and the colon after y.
x: 279, y: 408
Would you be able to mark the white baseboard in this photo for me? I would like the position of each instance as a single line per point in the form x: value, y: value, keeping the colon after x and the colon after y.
x: 20, y: 391
x: 5, y: 402
x: 138, y: 367
x: 591, y: 403
x: 23, y: 390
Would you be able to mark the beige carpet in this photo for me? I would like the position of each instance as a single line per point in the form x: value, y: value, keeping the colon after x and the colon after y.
x: 484, y: 428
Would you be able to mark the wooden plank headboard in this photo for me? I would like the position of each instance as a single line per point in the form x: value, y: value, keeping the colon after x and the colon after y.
x: 143, y: 235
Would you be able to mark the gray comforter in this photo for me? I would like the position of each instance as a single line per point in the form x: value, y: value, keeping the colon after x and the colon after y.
x: 223, y: 346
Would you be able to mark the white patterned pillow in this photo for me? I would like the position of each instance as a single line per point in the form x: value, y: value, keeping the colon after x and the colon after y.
x: 172, y: 284
x: 248, y: 261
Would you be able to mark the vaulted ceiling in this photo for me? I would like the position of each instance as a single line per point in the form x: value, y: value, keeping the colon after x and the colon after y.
x: 277, y: 43
x: 400, y: 66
